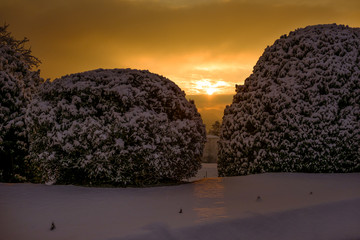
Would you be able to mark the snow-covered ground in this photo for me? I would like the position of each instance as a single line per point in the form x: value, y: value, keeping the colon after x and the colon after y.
x: 265, y: 206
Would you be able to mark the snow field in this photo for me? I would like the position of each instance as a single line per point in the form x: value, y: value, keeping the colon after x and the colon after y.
x: 265, y: 206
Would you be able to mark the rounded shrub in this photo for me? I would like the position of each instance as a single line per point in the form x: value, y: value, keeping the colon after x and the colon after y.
x: 299, y: 111
x: 116, y: 127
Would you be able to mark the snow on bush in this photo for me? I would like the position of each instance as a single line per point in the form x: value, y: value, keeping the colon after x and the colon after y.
x: 117, y: 126
x: 18, y: 83
x: 299, y: 109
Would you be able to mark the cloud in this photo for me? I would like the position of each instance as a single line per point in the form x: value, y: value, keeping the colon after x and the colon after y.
x: 221, y: 71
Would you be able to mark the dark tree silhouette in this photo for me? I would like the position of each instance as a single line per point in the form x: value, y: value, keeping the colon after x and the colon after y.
x: 215, y: 129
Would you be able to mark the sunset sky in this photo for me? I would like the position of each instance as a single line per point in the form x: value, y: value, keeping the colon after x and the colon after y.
x: 204, y: 46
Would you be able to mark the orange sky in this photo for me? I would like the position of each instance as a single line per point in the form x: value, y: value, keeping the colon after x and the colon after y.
x: 205, y: 46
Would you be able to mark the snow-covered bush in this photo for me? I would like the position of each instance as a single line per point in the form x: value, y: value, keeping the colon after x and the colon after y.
x: 117, y: 126
x: 300, y: 108
x: 17, y: 85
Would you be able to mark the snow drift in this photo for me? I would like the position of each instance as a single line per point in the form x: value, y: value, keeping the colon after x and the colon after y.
x: 300, y: 108
x: 117, y: 126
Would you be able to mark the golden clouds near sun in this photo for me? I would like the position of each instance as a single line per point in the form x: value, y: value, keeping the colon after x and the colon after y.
x: 199, y: 73
x: 209, y: 87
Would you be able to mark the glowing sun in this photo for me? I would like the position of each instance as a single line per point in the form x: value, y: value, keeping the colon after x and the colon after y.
x: 210, y: 90
x: 206, y: 86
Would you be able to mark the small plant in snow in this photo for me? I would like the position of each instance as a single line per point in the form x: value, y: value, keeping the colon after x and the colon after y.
x: 117, y: 126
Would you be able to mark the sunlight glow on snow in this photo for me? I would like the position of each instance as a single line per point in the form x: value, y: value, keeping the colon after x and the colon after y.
x: 213, y: 192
